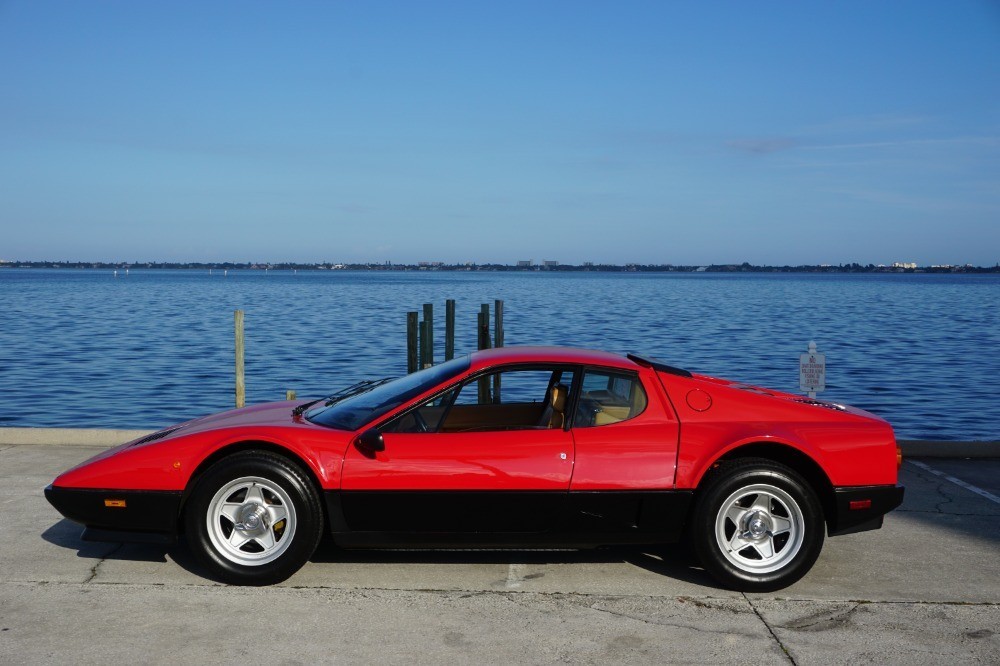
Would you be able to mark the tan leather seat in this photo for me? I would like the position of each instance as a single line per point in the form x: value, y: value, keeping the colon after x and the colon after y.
x: 615, y: 413
x: 555, y: 413
x: 611, y: 414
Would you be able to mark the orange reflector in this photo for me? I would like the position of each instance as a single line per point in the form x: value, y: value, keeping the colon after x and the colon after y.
x: 116, y: 503
x: 857, y: 505
x: 899, y: 457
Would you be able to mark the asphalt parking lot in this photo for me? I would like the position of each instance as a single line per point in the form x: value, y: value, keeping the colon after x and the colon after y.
x: 924, y: 589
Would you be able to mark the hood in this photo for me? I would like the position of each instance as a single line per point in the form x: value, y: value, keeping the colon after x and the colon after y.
x: 271, y: 413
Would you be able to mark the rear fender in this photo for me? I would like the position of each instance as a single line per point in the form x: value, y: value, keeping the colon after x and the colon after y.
x: 775, y: 448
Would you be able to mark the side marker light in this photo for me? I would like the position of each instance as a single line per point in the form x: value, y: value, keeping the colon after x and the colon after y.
x: 857, y: 505
x: 115, y: 503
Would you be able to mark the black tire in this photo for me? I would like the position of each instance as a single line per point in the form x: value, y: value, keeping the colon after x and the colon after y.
x: 757, y: 525
x: 253, y: 518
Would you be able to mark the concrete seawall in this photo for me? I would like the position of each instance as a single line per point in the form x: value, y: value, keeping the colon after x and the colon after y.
x: 68, y: 436
x: 111, y: 437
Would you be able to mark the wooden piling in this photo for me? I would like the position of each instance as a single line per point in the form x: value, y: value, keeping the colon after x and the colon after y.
x: 420, y: 337
x: 484, y: 343
x: 422, y: 329
x: 449, y: 329
x: 429, y: 320
x: 484, y: 326
x: 241, y: 389
x: 498, y: 323
x: 412, y: 323
x: 497, y: 342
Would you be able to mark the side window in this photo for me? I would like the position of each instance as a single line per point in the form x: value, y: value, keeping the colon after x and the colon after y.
x: 425, y: 418
x: 509, y: 387
x: 519, y: 399
x: 609, y: 397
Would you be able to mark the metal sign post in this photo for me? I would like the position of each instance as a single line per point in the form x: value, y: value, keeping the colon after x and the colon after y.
x: 812, y: 371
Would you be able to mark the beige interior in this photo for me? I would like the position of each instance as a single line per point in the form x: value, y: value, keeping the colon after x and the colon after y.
x: 465, y: 418
x: 555, y: 413
x: 611, y: 414
x: 612, y: 409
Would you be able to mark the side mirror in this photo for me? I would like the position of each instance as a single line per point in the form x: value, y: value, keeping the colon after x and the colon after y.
x: 370, y: 442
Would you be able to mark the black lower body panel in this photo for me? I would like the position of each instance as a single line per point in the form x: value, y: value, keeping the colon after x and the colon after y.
x: 861, y: 508
x: 147, y: 516
x: 507, y: 519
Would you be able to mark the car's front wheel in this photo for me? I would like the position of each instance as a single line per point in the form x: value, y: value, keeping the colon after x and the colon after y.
x: 758, y: 525
x: 254, y: 518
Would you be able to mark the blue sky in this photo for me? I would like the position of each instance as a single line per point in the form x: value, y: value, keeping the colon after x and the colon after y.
x: 651, y: 132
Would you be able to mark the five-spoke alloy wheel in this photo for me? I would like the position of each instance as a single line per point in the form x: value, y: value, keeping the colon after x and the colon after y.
x: 758, y: 525
x: 254, y: 518
x: 251, y: 521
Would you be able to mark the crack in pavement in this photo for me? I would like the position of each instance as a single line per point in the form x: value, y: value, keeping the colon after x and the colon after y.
x: 583, y: 601
x: 950, y: 513
x: 948, y: 499
x: 887, y: 602
x: 657, y: 622
x: 956, y: 481
x: 510, y: 595
x: 939, y: 488
x: 822, y: 620
x: 784, y: 650
x: 93, y: 569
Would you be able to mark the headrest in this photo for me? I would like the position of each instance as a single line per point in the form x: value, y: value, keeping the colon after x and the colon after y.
x: 559, y: 392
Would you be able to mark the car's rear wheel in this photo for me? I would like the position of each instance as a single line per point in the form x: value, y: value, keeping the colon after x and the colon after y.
x: 757, y: 525
x: 254, y: 518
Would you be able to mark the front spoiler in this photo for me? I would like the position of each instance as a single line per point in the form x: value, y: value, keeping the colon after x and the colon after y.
x: 861, y: 508
x: 120, y: 515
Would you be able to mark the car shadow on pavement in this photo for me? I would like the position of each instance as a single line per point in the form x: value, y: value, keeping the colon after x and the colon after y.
x: 67, y: 534
x: 673, y: 561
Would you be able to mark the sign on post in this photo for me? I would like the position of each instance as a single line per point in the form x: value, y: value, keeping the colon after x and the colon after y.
x: 812, y: 371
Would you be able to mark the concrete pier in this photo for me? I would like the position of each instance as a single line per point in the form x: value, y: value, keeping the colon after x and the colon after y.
x: 924, y: 589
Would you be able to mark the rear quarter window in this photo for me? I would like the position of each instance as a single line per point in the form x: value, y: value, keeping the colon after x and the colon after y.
x: 609, y: 397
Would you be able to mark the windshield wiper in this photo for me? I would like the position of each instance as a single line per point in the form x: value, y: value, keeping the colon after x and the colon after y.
x: 352, y: 390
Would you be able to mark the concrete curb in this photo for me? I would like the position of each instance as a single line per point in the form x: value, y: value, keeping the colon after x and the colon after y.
x: 921, y: 448
x: 109, y: 437
x: 68, y: 436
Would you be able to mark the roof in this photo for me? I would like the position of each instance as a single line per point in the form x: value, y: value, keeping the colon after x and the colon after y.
x: 530, y: 354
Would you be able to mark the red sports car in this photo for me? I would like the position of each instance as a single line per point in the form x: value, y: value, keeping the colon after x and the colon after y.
x: 510, y: 447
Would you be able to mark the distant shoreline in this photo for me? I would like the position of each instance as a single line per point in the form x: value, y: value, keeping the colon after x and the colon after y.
x: 520, y: 267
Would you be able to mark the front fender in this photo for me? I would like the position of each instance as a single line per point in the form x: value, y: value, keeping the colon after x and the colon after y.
x: 170, y: 463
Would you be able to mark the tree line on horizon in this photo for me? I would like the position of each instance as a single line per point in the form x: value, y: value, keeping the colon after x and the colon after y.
x: 522, y: 266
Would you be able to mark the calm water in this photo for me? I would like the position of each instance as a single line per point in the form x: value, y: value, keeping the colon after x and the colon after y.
x: 87, y: 349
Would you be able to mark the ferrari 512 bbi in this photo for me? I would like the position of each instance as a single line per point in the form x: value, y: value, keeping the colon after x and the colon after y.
x: 506, y: 448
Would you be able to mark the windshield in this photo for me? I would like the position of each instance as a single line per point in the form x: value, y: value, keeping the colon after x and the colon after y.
x: 355, y: 411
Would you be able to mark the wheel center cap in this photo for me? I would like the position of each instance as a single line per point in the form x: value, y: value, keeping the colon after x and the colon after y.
x: 757, y: 526
x: 252, y: 518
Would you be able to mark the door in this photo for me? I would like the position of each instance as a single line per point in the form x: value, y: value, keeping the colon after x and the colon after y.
x: 626, y: 453
x: 490, y: 456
